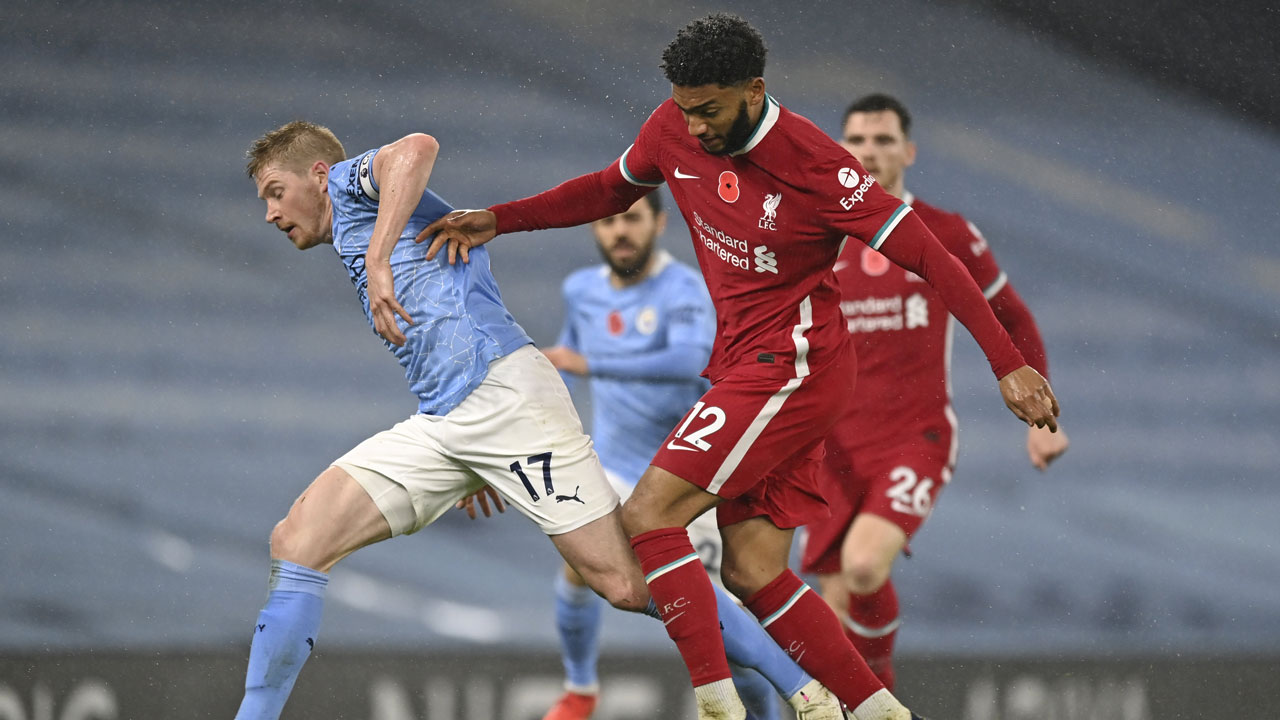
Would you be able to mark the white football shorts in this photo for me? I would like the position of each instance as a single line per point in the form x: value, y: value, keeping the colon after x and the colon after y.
x: 518, y: 431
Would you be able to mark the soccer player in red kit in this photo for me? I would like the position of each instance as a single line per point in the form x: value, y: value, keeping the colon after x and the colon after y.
x: 768, y: 199
x: 893, y: 451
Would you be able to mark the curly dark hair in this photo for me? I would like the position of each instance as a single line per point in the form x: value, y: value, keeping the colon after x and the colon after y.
x: 720, y: 49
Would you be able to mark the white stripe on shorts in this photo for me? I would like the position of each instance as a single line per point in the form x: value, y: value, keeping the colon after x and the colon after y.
x: 773, y: 405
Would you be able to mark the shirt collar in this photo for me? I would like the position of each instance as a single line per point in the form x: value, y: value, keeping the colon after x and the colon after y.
x: 768, y: 118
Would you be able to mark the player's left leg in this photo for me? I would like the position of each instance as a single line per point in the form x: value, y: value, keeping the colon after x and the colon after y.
x: 578, y: 625
x: 761, y: 670
x: 863, y: 592
x: 755, y: 567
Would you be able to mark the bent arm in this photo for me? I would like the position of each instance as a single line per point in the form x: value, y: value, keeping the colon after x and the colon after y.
x: 401, y: 170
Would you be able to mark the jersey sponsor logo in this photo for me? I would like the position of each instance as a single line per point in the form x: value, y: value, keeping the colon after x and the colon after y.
x: 698, y: 437
x: 848, y: 177
x: 874, y: 264
x: 873, y: 314
x: 728, y: 189
x: 765, y: 260
x: 770, y: 211
x: 726, y: 247
x: 647, y: 320
x: 684, y: 176
x: 917, y: 311
x: 857, y: 196
x: 615, y: 323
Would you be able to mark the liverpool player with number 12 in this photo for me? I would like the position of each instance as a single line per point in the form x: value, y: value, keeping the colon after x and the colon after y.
x: 769, y: 199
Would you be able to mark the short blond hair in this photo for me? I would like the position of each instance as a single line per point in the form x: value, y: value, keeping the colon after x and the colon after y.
x: 296, y: 146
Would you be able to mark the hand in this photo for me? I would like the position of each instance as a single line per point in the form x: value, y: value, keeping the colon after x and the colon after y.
x: 1044, y: 445
x: 566, y: 359
x: 382, y: 302
x: 1029, y: 396
x: 481, y: 497
x: 462, y: 230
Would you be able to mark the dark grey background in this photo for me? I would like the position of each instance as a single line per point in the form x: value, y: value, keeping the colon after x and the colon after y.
x: 173, y: 373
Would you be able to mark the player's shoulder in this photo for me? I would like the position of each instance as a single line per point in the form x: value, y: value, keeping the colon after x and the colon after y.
x: 808, y: 148
x: 584, y: 280
x: 353, y: 177
x: 940, y: 219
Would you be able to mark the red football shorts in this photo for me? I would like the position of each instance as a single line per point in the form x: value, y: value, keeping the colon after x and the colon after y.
x: 755, y: 439
x: 899, y: 483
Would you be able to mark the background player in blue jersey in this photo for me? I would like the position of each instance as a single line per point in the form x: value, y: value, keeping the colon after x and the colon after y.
x: 640, y: 327
x: 492, y: 410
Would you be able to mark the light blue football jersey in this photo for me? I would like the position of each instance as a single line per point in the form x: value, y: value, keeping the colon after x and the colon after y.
x: 460, y: 324
x: 645, y: 345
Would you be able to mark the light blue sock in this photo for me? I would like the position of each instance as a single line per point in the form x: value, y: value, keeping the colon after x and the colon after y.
x: 757, y: 694
x: 578, y: 622
x: 747, y: 644
x: 282, y: 639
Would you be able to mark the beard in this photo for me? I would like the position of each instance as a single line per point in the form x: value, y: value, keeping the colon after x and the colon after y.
x: 738, y: 133
x: 629, y: 268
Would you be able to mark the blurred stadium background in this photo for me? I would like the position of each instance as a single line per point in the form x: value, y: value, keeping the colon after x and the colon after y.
x: 172, y: 372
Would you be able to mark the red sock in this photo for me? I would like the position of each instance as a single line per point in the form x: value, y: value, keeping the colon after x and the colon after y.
x: 682, y: 591
x: 805, y: 626
x: 872, y: 626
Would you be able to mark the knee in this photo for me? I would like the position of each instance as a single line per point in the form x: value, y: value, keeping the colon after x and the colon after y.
x: 288, y: 543
x: 746, y: 579
x: 864, y: 575
x: 630, y: 594
x: 636, y: 519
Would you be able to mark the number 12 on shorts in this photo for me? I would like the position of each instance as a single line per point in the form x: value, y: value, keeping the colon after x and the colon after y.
x: 545, y: 460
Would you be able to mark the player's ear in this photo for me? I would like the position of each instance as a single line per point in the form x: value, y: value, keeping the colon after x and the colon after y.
x: 660, y: 222
x: 319, y: 171
x: 755, y: 91
x: 910, y: 153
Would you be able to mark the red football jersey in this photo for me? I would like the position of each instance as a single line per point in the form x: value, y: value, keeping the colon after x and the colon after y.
x: 902, y: 333
x: 767, y: 223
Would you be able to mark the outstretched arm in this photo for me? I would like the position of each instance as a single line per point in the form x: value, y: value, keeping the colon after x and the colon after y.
x: 401, y: 171
x: 581, y: 200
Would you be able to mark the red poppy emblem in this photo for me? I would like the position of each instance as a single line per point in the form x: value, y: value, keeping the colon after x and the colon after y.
x: 729, y: 186
x: 873, y: 263
x: 616, y: 324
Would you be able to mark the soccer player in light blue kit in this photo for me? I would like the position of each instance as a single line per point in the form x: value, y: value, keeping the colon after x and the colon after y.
x: 493, y: 414
x: 640, y: 328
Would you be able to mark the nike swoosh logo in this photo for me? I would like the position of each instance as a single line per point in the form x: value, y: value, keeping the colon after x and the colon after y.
x: 683, y: 176
x: 672, y: 619
x: 672, y: 446
x: 840, y: 265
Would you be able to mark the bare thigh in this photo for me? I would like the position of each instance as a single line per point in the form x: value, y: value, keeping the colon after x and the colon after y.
x: 331, y: 519
x: 600, y: 554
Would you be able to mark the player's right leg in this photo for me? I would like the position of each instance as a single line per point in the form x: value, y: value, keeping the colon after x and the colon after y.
x: 331, y: 519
